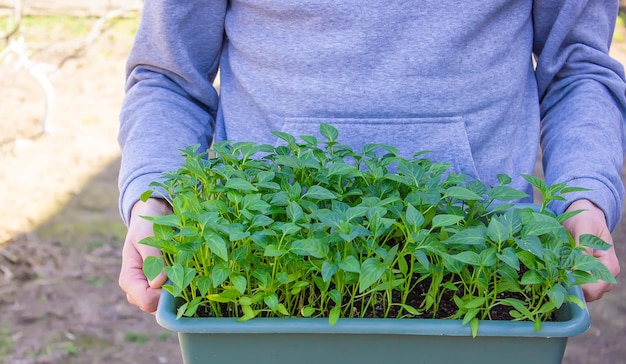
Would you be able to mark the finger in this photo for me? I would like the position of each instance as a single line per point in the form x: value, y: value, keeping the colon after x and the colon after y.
x: 158, y: 281
x: 139, y: 231
x: 145, y: 251
x: 134, y: 282
x: 595, y: 291
x: 132, y: 302
x: 609, y: 259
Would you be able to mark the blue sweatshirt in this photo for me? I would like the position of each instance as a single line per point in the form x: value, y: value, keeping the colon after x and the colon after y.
x: 454, y: 77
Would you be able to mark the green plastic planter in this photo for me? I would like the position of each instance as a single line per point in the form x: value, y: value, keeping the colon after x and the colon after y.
x: 381, y: 341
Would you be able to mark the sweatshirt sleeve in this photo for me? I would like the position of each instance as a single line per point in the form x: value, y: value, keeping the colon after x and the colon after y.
x: 582, y: 95
x: 170, y: 102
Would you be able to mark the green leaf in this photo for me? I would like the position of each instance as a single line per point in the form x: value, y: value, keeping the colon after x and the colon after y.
x: 309, y: 139
x: 566, y: 215
x: 519, y: 305
x: 285, y: 136
x: 541, y: 224
x: 565, y: 190
x: 289, y: 161
x: 445, y: 220
x: 506, y: 193
x: 271, y: 301
x: 355, y: 212
x: 497, y: 231
x: 307, y: 311
x: 410, y: 309
x: 219, y: 274
x: 240, y: 184
x: 152, y: 267
x: 350, y: 264
x: 312, y: 247
x: 557, y: 295
x: 468, y: 257
x: 593, y: 242
x: 581, y: 277
x: 488, y: 257
x: 261, y: 221
x: 283, y: 310
x: 283, y: 277
x: 531, y: 244
x: 475, y: 303
x: 294, y: 212
x: 239, y: 282
x: 531, y: 277
x: 412, y: 170
x: 329, y: 132
x: 180, y: 312
x: 340, y: 169
x: 462, y: 193
x: 236, y: 234
x: 273, y: 251
x: 603, y: 273
x: 248, y: 313
x: 268, y: 185
x: 422, y: 258
x: 166, y: 220
x: 319, y: 193
x: 395, y: 284
x: 414, y: 218
x: 537, y: 182
x: 254, y: 203
x: 475, y: 235
x: 334, y: 315
x: 577, y: 301
x: 371, y: 271
x: 146, y: 195
x: 403, y: 266
x: 287, y: 228
x: 509, y: 257
x: 585, y: 261
x: 180, y: 276
x: 474, y: 326
x: 527, y: 258
x: 216, y: 244
x: 328, y: 270
x: 220, y: 298
x: 391, y: 254
x: 163, y: 232
x: 296, y: 287
x: 192, y: 307
x: 203, y: 283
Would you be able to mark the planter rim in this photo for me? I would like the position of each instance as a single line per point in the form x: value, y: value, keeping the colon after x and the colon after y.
x: 576, y: 322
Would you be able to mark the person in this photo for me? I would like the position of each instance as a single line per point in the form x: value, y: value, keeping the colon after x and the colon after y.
x: 483, y: 85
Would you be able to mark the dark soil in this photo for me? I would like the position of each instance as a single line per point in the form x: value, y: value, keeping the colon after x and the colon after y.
x: 447, y: 308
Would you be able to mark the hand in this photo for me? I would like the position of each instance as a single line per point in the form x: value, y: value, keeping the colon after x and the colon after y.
x: 132, y: 280
x: 592, y: 221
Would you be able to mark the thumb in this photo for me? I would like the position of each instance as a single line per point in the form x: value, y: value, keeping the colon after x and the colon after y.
x: 142, y: 228
x: 132, y: 279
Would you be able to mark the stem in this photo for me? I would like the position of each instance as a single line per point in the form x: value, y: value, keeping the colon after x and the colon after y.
x: 389, y: 293
x: 408, y: 280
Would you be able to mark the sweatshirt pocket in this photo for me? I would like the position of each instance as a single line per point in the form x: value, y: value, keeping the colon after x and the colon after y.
x: 445, y: 137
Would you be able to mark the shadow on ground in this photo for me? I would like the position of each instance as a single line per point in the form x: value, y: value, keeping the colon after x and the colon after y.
x: 59, y: 298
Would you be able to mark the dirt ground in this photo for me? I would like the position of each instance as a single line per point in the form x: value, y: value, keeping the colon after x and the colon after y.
x: 61, y: 235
